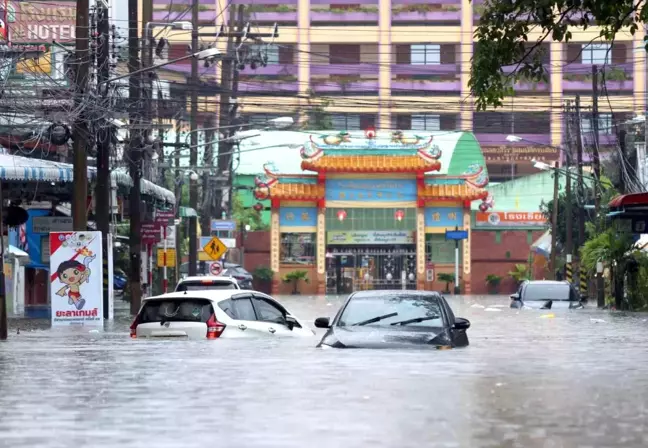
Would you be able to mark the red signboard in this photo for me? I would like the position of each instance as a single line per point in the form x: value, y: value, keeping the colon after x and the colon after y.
x: 516, y: 219
x: 164, y: 217
x: 150, y: 233
x: 41, y: 21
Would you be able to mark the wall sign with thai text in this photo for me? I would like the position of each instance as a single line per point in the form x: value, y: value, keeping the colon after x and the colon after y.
x: 513, y: 153
x: 370, y: 237
x: 517, y: 219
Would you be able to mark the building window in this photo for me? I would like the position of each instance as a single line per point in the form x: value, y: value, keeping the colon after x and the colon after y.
x: 426, y: 122
x: 269, y: 53
x: 366, y: 219
x: 604, y: 124
x: 344, y: 54
x: 298, y: 248
x: 425, y: 54
x: 439, y: 250
x: 348, y: 122
x: 596, y: 54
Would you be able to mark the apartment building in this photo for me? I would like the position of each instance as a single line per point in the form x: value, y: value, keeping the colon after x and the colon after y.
x: 405, y: 64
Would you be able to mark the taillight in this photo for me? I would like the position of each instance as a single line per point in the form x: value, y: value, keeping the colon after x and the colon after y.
x: 133, y: 327
x: 214, y: 328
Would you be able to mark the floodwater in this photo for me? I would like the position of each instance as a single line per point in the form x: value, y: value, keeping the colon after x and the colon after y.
x: 575, y: 380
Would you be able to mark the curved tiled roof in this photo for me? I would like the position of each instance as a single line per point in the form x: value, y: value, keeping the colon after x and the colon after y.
x: 464, y: 192
x: 371, y: 164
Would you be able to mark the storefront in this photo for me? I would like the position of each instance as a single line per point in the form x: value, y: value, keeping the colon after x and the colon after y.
x: 374, y: 213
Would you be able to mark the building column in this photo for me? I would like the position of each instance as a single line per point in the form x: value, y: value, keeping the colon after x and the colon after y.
x: 420, y: 248
x: 557, y: 57
x: 467, y: 223
x: 274, y: 249
x: 639, y: 72
x: 385, y: 61
x: 303, y: 56
x: 321, y: 251
x: 466, y: 52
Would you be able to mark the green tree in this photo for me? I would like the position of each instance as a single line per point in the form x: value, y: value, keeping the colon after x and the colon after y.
x: 246, y: 215
x: 503, y: 38
x: 547, y: 210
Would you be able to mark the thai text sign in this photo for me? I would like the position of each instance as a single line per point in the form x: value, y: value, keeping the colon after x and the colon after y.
x: 517, y: 219
x: 444, y: 217
x: 371, y: 190
x: 47, y: 224
x: 506, y: 153
x: 298, y: 216
x: 76, y: 276
x: 45, y: 21
x: 371, y: 237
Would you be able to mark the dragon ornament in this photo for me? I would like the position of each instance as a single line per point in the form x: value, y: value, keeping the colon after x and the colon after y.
x: 262, y: 185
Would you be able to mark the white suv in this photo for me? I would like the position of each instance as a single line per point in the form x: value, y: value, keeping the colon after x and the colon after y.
x: 215, y: 314
x: 207, y: 282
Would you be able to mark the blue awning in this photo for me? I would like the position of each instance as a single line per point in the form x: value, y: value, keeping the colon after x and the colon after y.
x: 26, y: 169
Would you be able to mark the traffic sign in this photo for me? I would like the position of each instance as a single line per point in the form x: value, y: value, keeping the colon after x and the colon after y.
x: 170, y: 258
x: 456, y: 235
x: 164, y: 217
x: 223, y: 225
x: 150, y: 233
x: 215, y: 248
x: 216, y: 268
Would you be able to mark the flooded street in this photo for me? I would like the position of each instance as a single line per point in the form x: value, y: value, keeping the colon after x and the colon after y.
x: 575, y: 380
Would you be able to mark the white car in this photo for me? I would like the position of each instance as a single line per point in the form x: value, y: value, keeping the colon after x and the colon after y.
x: 211, y: 282
x: 215, y: 314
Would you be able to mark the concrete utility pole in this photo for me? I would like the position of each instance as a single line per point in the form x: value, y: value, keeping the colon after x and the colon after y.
x: 104, y: 137
x: 582, y: 285
x: 569, y: 273
x: 554, y: 222
x: 3, y: 293
x: 193, y: 151
x: 595, y: 125
x: 134, y: 160
x: 80, y: 130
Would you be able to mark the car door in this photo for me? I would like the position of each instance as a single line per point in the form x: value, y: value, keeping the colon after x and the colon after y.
x: 240, y: 309
x: 271, y: 316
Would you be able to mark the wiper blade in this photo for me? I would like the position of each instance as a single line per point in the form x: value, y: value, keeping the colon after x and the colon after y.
x: 375, y: 319
x: 415, y: 320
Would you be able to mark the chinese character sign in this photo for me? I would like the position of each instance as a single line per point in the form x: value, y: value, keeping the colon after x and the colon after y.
x: 444, y: 217
x: 298, y: 216
x: 76, y: 276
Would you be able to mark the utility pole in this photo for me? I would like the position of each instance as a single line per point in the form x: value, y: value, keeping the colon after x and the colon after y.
x: 582, y: 285
x: 554, y: 222
x: 595, y: 126
x: 134, y: 160
x: 193, y: 151
x: 569, y: 273
x: 3, y: 293
x: 80, y: 130
x: 225, y: 144
x: 178, y: 196
x: 102, y: 189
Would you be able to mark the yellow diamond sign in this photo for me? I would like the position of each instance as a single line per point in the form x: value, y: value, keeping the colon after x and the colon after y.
x: 215, y: 248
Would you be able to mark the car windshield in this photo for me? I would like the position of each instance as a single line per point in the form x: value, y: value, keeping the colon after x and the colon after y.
x: 546, y: 291
x: 393, y: 311
x: 176, y: 310
x: 204, y: 285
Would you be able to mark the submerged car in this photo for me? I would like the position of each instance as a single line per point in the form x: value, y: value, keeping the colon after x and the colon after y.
x: 205, y: 282
x: 393, y: 319
x: 547, y: 295
x: 214, y: 314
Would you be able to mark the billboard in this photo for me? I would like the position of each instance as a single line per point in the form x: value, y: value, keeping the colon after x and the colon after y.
x: 514, y: 219
x: 508, y: 153
x: 41, y: 21
x: 76, y: 276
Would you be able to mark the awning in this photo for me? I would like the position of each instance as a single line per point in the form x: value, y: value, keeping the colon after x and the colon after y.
x: 15, y: 252
x: 187, y: 212
x: 26, y: 169
x: 634, y: 199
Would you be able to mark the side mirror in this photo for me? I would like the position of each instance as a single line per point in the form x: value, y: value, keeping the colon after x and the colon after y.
x: 461, y: 324
x: 322, y: 322
x: 291, y: 322
x: 515, y: 296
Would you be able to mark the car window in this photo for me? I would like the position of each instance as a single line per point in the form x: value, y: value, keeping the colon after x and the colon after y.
x: 205, y: 285
x: 178, y: 310
x: 243, y: 309
x: 268, y: 312
x: 386, y: 310
x: 546, y: 291
x: 228, y: 307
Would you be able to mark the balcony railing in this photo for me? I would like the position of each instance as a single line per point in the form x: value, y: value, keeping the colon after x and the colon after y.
x: 364, y: 16
x: 171, y: 16
x: 273, y: 16
x: 412, y: 86
x: 271, y: 70
x: 268, y: 87
x: 344, y: 69
x: 585, y: 85
x: 429, y: 11
x: 431, y: 69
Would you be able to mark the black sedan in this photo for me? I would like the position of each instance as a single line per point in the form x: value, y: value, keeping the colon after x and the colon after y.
x: 394, y: 319
x: 547, y: 295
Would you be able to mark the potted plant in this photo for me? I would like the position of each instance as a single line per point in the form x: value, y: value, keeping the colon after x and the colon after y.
x: 446, y: 278
x: 520, y: 273
x: 493, y: 281
x: 295, y: 277
x: 263, y: 279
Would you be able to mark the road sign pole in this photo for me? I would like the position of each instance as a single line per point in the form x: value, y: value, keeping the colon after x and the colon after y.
x: 165, y: 282
x: 456, y: 288
x: 150, y: 271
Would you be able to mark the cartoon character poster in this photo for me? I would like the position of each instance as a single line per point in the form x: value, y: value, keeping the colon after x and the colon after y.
x: 76, y: 278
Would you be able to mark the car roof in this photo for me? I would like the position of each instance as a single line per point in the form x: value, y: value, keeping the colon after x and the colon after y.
x: 208, y: 278
x: 393, y: 292
x: 546, y: 282
x: 216, y: 295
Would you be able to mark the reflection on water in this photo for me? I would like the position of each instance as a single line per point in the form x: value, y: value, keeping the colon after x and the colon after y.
x: 525, y: 381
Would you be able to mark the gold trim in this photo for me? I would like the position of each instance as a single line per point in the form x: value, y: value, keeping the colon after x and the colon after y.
x: 297, y: 229
x: 420, y: 242
x: 274, y: 240
x: 359, y: 176
x: 321, y: 241
x: 440, y: 229
x: 447, y: 204
x: 358, y: 204
x: 297, y: 203
x: 466, y: 243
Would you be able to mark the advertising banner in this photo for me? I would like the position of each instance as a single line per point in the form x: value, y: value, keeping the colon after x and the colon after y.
x: 513, y: 219
x: 76, y: 276
x: 371, y: 237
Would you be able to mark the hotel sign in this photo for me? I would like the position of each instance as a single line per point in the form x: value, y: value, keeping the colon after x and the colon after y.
x: 513, y: 219
x: 506, y: 153
x: 42, y: 21
x: 370, y: 237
